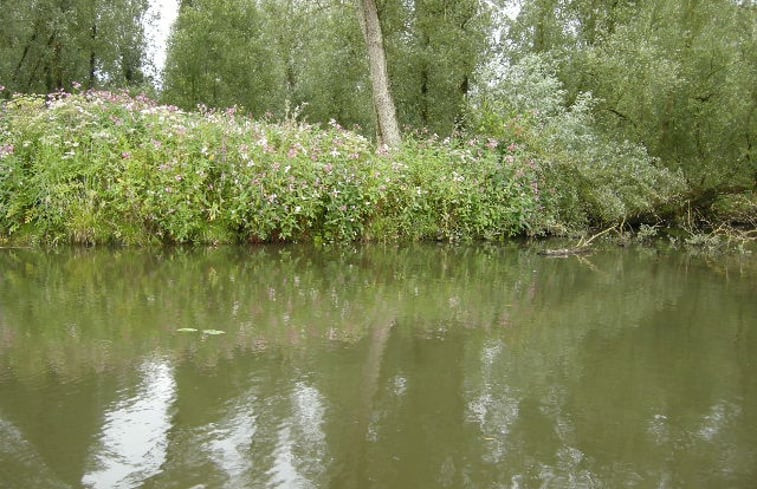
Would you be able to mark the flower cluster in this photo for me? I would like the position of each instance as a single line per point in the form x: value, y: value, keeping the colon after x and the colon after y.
x: 101, y: 166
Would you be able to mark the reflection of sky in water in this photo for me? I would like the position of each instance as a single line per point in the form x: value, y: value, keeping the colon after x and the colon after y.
x: 132, y: 444
x: 301, y: 445
x: 493, y: 405
x: 230, y: 442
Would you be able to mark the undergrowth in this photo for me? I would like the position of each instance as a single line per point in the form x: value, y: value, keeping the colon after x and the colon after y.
x: 110, y: 168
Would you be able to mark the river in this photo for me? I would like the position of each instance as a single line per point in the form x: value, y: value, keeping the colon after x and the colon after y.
x: 423, y: 366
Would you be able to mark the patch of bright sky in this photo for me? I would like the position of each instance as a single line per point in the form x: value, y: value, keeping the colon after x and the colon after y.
x: 160, y: 17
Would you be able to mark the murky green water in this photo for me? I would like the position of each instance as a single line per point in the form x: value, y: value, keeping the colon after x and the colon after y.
x: 417, y: 367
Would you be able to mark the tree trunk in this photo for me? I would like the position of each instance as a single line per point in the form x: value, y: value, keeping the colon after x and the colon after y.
x: 383, y: 104
x: 92, y: 56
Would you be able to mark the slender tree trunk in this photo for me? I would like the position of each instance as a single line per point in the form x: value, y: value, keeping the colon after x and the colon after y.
x: 92, y: 53
x: 17, y: 73
x: 383, y: 104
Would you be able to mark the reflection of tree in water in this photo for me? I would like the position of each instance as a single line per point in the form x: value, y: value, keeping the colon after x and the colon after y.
x: 608, y: 375
x: 449, y: 367
x: 21, y: 463
x: 97, y: 309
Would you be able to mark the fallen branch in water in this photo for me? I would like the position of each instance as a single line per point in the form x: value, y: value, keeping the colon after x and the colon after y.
x: 581, y: 247
x: 565, y: 251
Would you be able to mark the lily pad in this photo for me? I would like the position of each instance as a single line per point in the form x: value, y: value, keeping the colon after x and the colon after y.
x: 187, y: 330
x: 213, y: 332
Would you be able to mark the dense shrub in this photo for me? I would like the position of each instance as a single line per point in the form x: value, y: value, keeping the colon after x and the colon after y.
x: 101, y: 167
x: 586, y: 177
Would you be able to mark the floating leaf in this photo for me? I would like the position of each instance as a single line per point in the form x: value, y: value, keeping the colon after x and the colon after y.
x: 213, y: 331
x: 187, y: 330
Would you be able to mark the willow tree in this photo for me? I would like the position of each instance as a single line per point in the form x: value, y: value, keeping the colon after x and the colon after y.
x: 388, y: 131
x: 52, y: 44
x: 219, y: 56
x: 434, y: 50
x: 677, y: 76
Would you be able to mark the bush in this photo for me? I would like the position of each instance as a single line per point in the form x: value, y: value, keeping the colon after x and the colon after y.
x: 586, y: 177
x: 101, y: 167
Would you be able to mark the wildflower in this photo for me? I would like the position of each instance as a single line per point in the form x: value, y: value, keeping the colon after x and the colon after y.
x: 126, y: 155
x: 492, y: 143
x: 2, y: 87
x: 179, y: 178
x: 76, y: 85
x: 6, y: 150
x: 512, y: 147
x: 292, y: 152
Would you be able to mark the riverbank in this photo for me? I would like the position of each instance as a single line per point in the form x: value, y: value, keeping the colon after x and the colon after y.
x: 109, y: 168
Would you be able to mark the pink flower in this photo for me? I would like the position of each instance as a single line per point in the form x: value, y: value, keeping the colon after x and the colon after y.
x: 492, y: 143
x: 2, y: 87
x: 6, y: 150
x: 512, y: 147
x: 126, y: 155
x: 76, y: 85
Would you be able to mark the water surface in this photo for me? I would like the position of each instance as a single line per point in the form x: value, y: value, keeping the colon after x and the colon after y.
x: 418, y: 367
